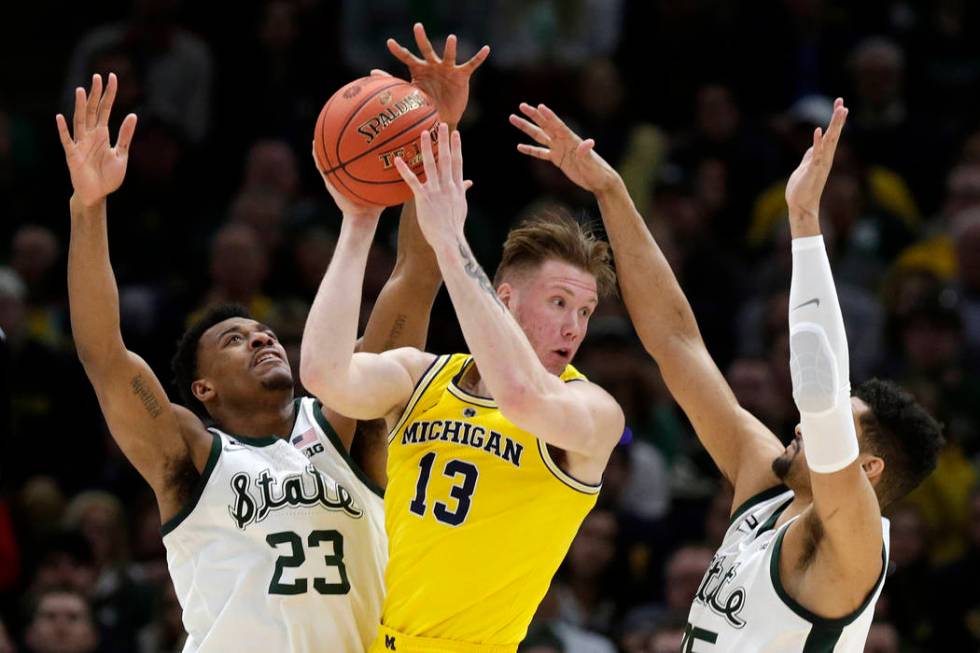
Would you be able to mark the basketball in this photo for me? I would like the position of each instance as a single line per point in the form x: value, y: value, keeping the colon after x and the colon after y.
x: 360, y: 131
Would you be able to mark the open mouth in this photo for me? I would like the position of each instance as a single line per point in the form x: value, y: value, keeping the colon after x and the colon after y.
x: 266, y: 357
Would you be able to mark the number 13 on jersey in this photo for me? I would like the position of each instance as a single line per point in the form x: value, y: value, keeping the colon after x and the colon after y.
x: 465, y: 476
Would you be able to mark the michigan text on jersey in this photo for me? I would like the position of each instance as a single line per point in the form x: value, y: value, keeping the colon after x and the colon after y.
x: 465, y: 433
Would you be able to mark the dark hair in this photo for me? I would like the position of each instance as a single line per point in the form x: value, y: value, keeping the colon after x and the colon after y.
x: 184, y: 362
x: 899, y: 430
x: 555, y: 234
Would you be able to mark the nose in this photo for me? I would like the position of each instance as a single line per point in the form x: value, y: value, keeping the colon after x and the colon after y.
x: 573, y: 327
x: 259, y: 340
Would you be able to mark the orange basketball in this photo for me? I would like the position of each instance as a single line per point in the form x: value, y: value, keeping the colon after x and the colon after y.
x: 363, y: 127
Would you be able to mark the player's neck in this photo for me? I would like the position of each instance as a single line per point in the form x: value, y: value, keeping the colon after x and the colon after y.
x: 802, y: 499
x: 260, y: 418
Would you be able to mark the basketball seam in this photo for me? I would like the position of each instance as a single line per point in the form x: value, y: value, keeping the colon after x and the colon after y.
x: 375, y: 147
x: 336, y: 176
x: 360, y: 106
x: 393, y: 181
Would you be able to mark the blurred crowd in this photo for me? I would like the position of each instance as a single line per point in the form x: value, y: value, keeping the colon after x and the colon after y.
x: 704, y: 106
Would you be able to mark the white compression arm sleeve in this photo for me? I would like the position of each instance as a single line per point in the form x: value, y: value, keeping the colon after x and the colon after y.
x: 818, y: 360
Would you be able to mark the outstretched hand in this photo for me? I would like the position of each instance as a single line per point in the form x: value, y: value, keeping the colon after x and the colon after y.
x: 564, y: 148
x: 805, y: 185
x: 441, y: 200
x: 445, y: 82
x: 96, y: 167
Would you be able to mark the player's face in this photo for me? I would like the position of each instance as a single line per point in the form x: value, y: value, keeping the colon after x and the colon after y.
x: 791, y: 467
x: 239, y: 357
x: 553, y: 305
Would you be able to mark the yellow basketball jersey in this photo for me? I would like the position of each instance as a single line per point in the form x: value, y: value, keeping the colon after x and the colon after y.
x: 478, y: 516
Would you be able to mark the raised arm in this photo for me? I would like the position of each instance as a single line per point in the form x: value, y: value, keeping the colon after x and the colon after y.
x: 359, y: 385
x: 844, y: 501
x: 401, y: 315
x: 738, y: 443
x: 140, y: 418
x: 579, y: 417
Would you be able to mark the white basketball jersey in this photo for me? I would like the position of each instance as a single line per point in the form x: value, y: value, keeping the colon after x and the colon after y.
x: 741, y: 604
x: 282, y: 546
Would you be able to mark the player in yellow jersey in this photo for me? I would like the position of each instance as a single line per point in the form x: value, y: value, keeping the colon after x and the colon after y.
x: 494, y: 459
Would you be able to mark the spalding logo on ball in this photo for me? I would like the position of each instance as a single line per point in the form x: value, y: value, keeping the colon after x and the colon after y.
x: 363, y: 127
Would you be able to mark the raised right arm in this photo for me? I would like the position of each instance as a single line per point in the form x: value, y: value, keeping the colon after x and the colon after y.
x: 358, y: 385
x: 140, y: 417
x: 740, y: 445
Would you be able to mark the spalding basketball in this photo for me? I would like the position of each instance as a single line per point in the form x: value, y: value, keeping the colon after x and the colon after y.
x: 363, y: 127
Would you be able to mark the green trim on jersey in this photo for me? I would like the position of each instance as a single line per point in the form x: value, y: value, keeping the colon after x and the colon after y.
x: 266, y: 440
x: 822, y: 626
x: 198, y: 490
x: 342, y: 450
x: 755, y: 500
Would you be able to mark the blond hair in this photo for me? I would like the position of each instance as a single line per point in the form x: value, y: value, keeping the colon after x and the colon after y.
x: 553, y: 234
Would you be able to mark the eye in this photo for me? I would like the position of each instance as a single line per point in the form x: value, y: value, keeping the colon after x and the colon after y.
x: 558, y: 301
x: 586, y: 312
x: 233, y: 338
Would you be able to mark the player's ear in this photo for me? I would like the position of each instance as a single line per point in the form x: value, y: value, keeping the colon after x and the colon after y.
x: 873, y: 467
x: 505, y: 292
x: 203, y: 390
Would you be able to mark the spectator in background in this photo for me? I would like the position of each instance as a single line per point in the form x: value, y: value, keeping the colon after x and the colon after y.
x: 882, y: 127
x: 6, y: 643
x: 165, y: 632
x: 535, y: 34
x: 120, y: 605
x: 587, y: 592
x: 62, y: 623
x: 34, y: 256
x: 966, y: 241
x: 683, y: 572
x: 667, y: 637
x: 175, y: 65
x: 910, y: 581
x: 882, y: 638
x: 549, y: 633
x: 42, y: 377
x: 239, y: 269
x: 957, y: 602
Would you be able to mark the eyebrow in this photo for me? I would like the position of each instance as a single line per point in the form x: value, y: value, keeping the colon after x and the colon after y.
x: 558, y: 286
x: 221, y: 336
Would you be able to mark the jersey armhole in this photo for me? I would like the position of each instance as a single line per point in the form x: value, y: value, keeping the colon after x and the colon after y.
x: 562, y: 475
x: 342, y: 451
x: 424, y: 382
x: 198, y: 490
x: 824, y: 629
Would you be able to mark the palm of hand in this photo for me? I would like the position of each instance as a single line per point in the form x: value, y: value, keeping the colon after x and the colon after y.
x: 96, y: 169
x: 441, y: 213
x: 448, y: 88
x: 805, y: 184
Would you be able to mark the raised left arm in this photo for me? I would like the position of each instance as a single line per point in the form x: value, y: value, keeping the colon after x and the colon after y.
x: 577, y: 417
x: 844, y: 500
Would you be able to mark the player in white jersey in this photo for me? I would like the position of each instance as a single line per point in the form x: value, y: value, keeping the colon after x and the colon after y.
x: 804, y: 558
x: 275, y: 537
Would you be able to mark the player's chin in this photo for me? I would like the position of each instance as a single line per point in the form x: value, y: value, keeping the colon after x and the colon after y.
x: 278, y: 378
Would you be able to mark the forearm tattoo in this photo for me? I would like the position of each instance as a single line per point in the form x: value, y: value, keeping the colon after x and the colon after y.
x: 396, y: 330
x: 142, y: 390
x: 473, y: 269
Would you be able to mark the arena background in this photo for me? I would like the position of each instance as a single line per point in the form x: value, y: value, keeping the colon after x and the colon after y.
x: 704, y: 106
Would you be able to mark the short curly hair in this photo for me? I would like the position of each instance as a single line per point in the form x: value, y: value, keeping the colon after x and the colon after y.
x: 184, y: 362
x: 899, y: 430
